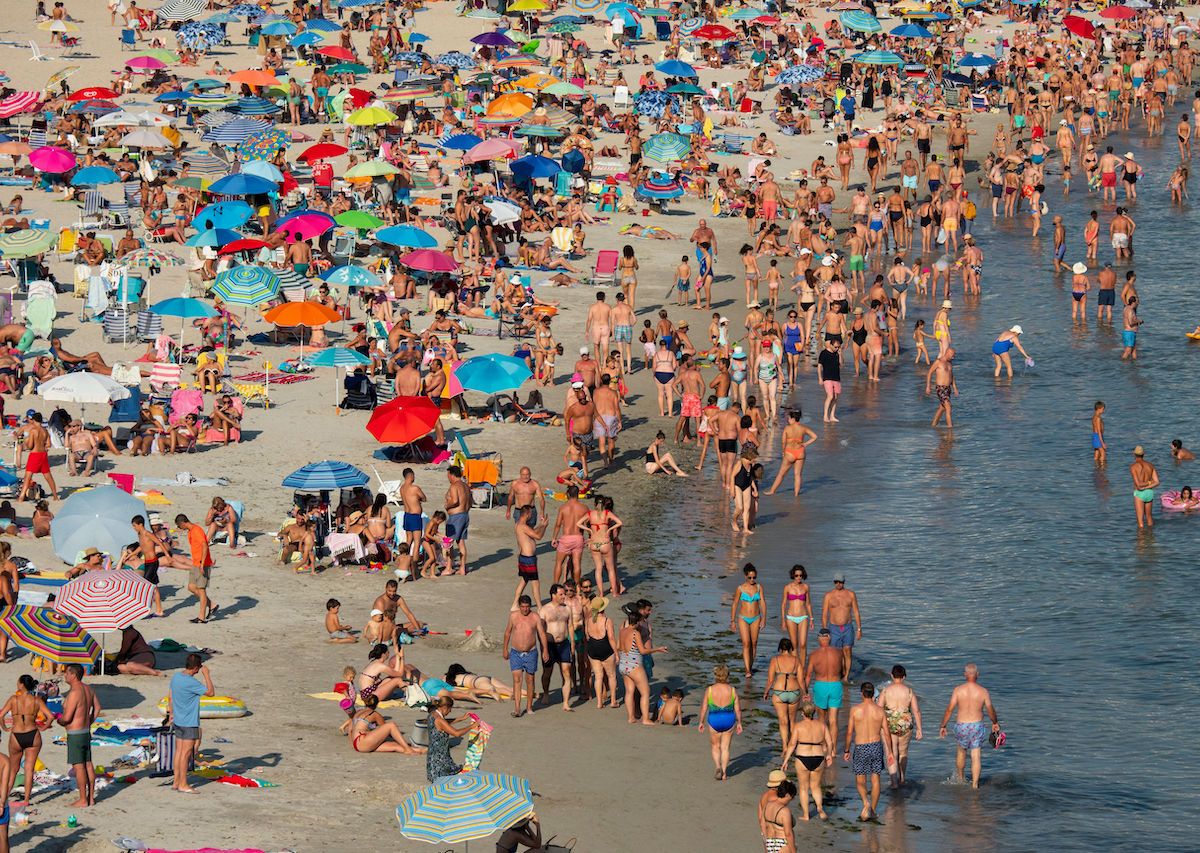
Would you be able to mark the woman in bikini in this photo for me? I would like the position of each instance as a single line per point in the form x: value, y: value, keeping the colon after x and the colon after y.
x: 601, y: 526
x: 775, y: 817
x: 628, y: 267
x: 371, y: 732
x: 383, y: 679
x: 747, y: 614
x: 630, y: 651
x: 813, y: 746
x: 664, y: 364
x: 784, y: 687
x: 752, y: 274
x: 796, y: 439
x: 796, y: 609
x: 599, y: 641
x: 477, y: 685
x: 26, y: 740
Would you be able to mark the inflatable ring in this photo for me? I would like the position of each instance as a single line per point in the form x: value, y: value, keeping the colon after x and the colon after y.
x: 215, y: 707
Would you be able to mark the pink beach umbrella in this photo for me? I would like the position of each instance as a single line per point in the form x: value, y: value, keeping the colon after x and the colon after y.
x: 145, y: 63
x: 492, y: 149
x: 429, y: 260
x: 51, y: 159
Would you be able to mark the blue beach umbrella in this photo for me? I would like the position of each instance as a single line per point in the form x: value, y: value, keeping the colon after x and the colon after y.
x: 213, y: 238
x: 659, y: 188
x: 406, y: 236
x: 455, y: 59
x: 534, y: 166
x: 666, y: 147
x: 263, y: 169
x: 91, y: 176
x: 255, y: 107
x: 233, y: 132
x: 223, y: 214
x: 976, y: 60
x: 322, y: 476
x: 338, y: 357
x: 246, y: 285
x: 348, y: 275
x: 171, y: 97
x: 573, y: 161
x: 860, y: 21
x: 466, y: 806
x: 654, y: 104
x: 279, y: 28
x: 242, y: 184
x: 912, y: 31
x: 676, y: 68
x: 97, y: 518
x: 799, y: 74
x: 305, y: 39
x: 418, y: 38
x: 749, y: 13
x: 492, y: 373
x: 183, y: 307
x: 461, y: 141
x: 322, y: 25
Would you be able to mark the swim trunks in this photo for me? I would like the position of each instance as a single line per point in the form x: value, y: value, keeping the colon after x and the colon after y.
x: 560, y: 650
x: 1097, y: 442
x: 38, y: 463
x: 909, y: 182
x: 1120, y: 240
x: 827, y: 694
x: 605, y: 426
x: 1144, y: 495
x: 413, y: 523
x: 570, y: 544
x: 943, y: 394
x: 1129, y: 339
x: 1106, y: 296
x: 79, y: 747
x: 690, y: 407
x: 867, y: 759
x: 726, y: 445
x: 842, y: 636
x: 523, y: 661
x: 832, y: 386
x: 970, y: 735
x: 1108, y: 179
x: 456, y: 526
x: 623, y: 334
x: 527, y: 567
x: 150, y: 571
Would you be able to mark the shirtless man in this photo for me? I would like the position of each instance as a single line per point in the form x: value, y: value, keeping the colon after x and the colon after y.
x: 941, y: 376
x: 150, y: 550
x: 839, y: 613
x: 82, y: 448
x: 1145, y: 481
x: 559, y: 621
x: 412, y: 523
x: 36, y: 442
x: 390, y: 602
x: 970, y: 700
x: 81, y: 708
x: 871, y: 752
x: 298, y: 538
x: 1106, y: 293
x: 823, y: 680
x: 607, y: 424
x: 909, y: 170
x: 768, y: 198
x: 704, y: 234
x: 899, y: 704
x: 623, y: 320
x: 691, y: 388
x: 1108, y: 174
x: 566, y: 539
x: 1120, y: 230
x: 458, y: 514
x: 598, y: 326
x: 299, y: 256
x: 923, y: 133
x: 528, y: 535
x: 521, y: 495
x: 523, y: 636
x: 579, y: 418
x: 408, y: 378
x: 588, y: 368
x: 728, y: 423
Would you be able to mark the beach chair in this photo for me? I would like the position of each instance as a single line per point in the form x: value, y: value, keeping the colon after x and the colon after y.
x: 621, y: 96
x: 116, y: 325
x: 979, y: 103
x: 952, y: 96
x: 164, y: 377
x: 239, y: 510
x: 390, y: 489
x: 40, y: 312
x: 67, y: 244
x: 128, y: 39
x: 149, y: 326
x: 482, y: 477
x: 531, y: 414
x: 35, y: 52
x: 605, y: 271
x: 563, y: 239
x: 733, y: 143
x: 184, y: 403
x: 116, y: 214
x: 91, y: 212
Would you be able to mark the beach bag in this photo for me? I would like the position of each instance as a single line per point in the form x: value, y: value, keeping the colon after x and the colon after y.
x: 415, y: 696
x: 164, y: 762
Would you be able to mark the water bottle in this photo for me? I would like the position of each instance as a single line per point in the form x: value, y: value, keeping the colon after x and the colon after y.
x: 72, y: 821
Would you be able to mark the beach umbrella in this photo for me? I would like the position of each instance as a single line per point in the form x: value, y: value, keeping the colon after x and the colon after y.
x: 159, y: 53
x: 371, y: 116
x: 246, y: 285
x: 254, y: 77
x: 666, y: 147
x: 410, y: 56
x: 305, y: 39
x: 349, y: 275
x: 322, y: 151
x: 96, y: 518
x: 183, y: 307
x: 659, y: 187
x: 322, y: 25
x: 57, y: 26
x: 409, y: 93
x: 676, y: 68
x: 263, y: 169
x: 512, y: 105
x: 799, y: 74
x: 338, y: 357
x: 491, y: 149
x: 244, y: 244
x: 518, y: 61
x: 573, y: 162
x: 464, y: 807
x: 654, y: 104
x: 309, y: 314
x: 1079, y: 26
x: 493, y: 39
x: 93, y: 93
x: 151, y: 257
x: 336, y: 51
x: 976, y: 60
x: 533, y: 166
x: 19, y: 102
x: 860, y: 21
x: 429, y: 260
x: 228, y: 215
x: 180, y: 10
x: 503, y: 212
x: 416, y: 38
x: 145, y: 64
x: 403, y: 420
x: 51, y: 159
x: 372, y: 169
x: 93, y: 176
x: 218, y: 101
x: 685, y: 89
x: 544, y: 131
x: 713, y: 32
x: 348, y: 68
x: 877, y: 57
x: 52, y: 635
x: 233, y: 132
x: 359, y: 219
x: 325, y: 476
x: 242, y: 184
x: 263, y: 144
x: 522, y: 6
x: 536, y: 80
x: 103, y: 601
x: 305, y: 224
x: 1118, y: 13
x: 492, y: 373
x: 280, y: 28
x: 82, y: 388
x: 145, y: 138
x: 565, y: 28
x: 911, y: 31
x: 26, y: 243
x: 213, y: 237
x: 455, y: 59
x: 587, y: 5
x: 461, y: 141
x: 562, y: 89
x: 407, y: 236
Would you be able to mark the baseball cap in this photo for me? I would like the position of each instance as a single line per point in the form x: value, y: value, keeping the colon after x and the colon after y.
x: 806, y: 251
x: 1016, y: 330
x: 583, y: 350
x: 376, y: 612
x: 840, y: 577
x: 576, y: 384
x: 404, y: 311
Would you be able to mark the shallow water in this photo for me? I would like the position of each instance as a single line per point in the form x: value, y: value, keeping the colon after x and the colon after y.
x: 1003, y: 544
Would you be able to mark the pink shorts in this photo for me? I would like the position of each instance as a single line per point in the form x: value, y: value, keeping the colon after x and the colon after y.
x: 690, y: 408
x: 770, y: 210
x: 572, y: 544
x: 832, y: 386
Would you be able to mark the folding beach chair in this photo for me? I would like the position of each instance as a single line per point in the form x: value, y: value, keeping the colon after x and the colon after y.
x: 91, y: 213
x: 36, y: 54
x: 605, y: 271
x: 66, y: 247
x: 128, y: 39
x: 116, y: 325
x: 164, y: 377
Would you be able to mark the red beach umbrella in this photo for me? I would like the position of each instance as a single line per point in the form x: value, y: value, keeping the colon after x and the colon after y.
x: 336, y: 51
x: 714, y: 32
x: 1081, y: 27
x: 403, y: 420
x: 1118, y: 13
x: 246, y: 244
x: 322, y: 151
x: 93, y: 93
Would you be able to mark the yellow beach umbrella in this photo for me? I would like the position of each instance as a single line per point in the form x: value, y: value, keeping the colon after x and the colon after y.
x: 371, y: 115
x: 58, y: 26
x: 527, y: 6
x: 513, y: 105
x: 536, y: 80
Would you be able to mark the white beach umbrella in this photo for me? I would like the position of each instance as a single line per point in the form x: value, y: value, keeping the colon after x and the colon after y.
x: 82, y: 388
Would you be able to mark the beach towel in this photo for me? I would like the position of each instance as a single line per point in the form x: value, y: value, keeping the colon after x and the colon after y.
x: 276, y: 378
x: 246, y: 782
x: 476, y: 745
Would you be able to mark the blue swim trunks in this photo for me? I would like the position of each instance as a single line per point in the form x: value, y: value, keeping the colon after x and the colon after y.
x: 842, y: 636
x: 523, y: 661
x: 413, y: 522
x: 971, y: 735
x: 827, y: 694
x: 1129, y: 338
x: 456, y: 526
x: 1095, y: 441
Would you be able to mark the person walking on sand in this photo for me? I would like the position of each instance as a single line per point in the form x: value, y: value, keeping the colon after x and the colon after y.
x: 561, y: 622
x: 839, y: 614
x: 795, y: 439
x: 775, y: 822
x: 1002, y: 347
x: 1145, y: 481
x: 27, y: 709
x: 721, y: 711
x: 37, y: 443
x: 746, y: 615
x: 813, y: 749
x: 200, y: 569
x: 867, y: 730
x: 969, y: 701
x: 183, y: 710
x: 941, y: 376
x: 528, y: 537
x: 829, y: 374
x: 81, y: 708
x: 458, y: 515
x: 899, y: 704
x: 524, y: 636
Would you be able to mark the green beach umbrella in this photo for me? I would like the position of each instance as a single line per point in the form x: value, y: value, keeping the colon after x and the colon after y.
x: 359, y: 219
x: 26, y: 243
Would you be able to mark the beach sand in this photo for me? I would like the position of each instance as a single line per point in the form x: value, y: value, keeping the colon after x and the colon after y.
x: 614, y: 786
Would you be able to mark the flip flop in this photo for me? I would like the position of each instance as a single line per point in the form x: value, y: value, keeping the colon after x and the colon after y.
x: 198, y: 621
x: 211, y: 610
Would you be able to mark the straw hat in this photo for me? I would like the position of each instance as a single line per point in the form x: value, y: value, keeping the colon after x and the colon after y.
x: 947, y: 304
x: 91, y: 552
x: 1129, y: 155
x: 354, y: 516
x: 598, y: 605
x: 775, y: 778
x: 858, y: 310
x: 1079, y: 268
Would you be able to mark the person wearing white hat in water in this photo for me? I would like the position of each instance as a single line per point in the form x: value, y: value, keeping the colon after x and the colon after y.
x: 1130, y: 170
x: 1000, y: 349
x: 1080, y: 285
x: 941, y: 327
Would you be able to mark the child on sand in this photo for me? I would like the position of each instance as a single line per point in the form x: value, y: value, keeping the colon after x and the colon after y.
x: 338, y: 632
x: 670, y: 708
x: 432, y: 539
x: 349, y: 702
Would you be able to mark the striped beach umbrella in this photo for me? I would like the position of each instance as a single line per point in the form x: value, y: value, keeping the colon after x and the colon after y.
x: 218, y: 118
x: 26, y: 243
x: 55, y: 636
x: 151, y: 257
x: 877, y: 57
x: 211, y: 100
x: 860, y: 21
x: 666, y: 147
x: 203, y: 163
x: 464, y: 807
x: 106, y: 600
x: 659, y: 187
x: 234, y: 132
x: 320, y: 476
x: 322, y: 25
x: 255, y: 107
x: 246, y: 285
x: 180, y: 10
x: 290, y: 279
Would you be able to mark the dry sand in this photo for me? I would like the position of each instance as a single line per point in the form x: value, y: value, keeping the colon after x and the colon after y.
x: 614, y: 786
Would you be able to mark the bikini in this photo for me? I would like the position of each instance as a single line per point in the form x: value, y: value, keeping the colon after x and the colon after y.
x: 810, y: 762
x: 750, y: 620
x: 801, y: 597
x: 787, y: 697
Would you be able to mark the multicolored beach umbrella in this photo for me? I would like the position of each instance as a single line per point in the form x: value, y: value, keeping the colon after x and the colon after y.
x: 247, y: 285
x: 860, y: 21
x: 667, y: 147
x: 106, y: 601
x: 55, y: 636
x: 464, y: 807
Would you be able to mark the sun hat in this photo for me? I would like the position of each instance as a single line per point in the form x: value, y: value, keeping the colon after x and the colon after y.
x: 1129, y: 155
x: 1016, y: 330
x: 91, y: 552
x: 377, y: 612
x: 598, y: 605
x: 827, y: 261
x: 738, y: 354
x: 1139, y: 451
x: 584, y: 350
x: 775, y: 778
x: 1080, y: 268
x: 577, y: 384
x: 946, y: 303
x: 858, y: 310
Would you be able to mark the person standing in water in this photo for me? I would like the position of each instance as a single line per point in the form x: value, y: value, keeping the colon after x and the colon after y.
x: 870, y: 753
x: 839, y: 614
x: 941, y: 376
x: 796, y: 612
x: 795, y: 439
x: 1099, y: 448
x: 969, y: 700
x: 1001, y: 348
x: 1145, y: 481
x: 899, y: 704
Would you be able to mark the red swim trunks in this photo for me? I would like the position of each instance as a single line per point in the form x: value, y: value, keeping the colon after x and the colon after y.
x: 1108, y: 179
x: 37, y: 463
x: 690, y: 407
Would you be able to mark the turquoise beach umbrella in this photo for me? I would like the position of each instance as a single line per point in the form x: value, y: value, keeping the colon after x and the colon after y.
x: 492, y: 373
x: 246, y: 285
x: 465, y: 807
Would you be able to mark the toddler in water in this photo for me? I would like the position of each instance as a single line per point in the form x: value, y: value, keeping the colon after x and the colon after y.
x: 338, y: 632
x: 670, y: 708
x: 919, y: 337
